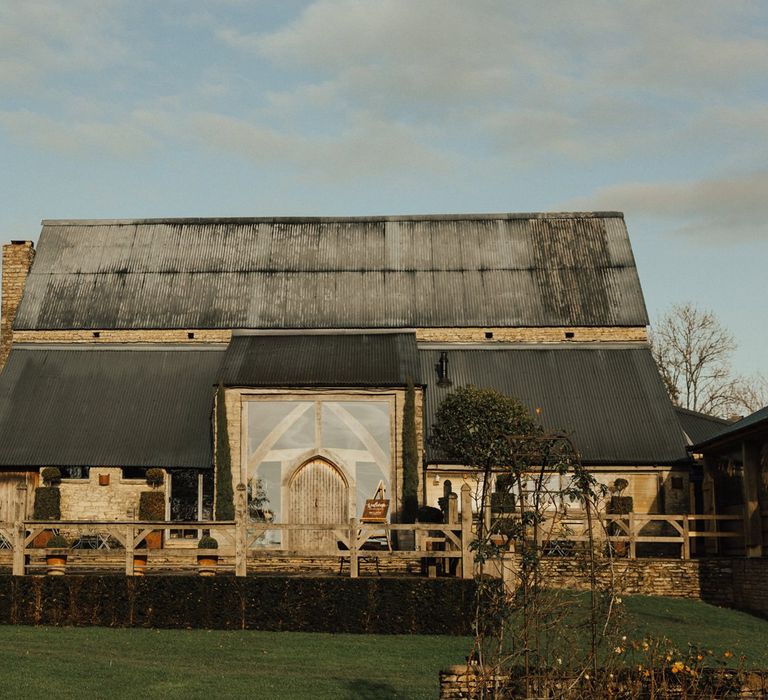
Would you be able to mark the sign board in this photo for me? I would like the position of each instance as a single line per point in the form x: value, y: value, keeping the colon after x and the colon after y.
x: 375, y: 510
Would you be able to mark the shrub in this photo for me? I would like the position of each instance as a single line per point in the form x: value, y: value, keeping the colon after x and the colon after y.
x: 51, y: 475
x: 155, y: 477
x: 428, y: 514
x: 47, y: 503
x: 208, y: 542
x: 620, y: 505
x: 152, y: 505
x: 58, y: 542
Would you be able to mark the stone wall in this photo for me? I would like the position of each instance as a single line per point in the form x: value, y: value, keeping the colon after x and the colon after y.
x: 749, y: 586
x: 17, y: 261
x: 550, y: 334
x: 731, y: 582
x: 468, y: 682
x: 85, y: 499
x: 180, y: 335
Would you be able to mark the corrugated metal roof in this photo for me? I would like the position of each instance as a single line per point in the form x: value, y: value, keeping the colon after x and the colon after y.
x: 77, y: 406
x: 699, y: 426
x: 611, y: 400
x: 754, y: 420
x: 386, y: 272
x: 373, y: 360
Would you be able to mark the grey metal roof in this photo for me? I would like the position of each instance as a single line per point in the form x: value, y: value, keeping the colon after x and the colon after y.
x: 373, y: 360
x: 699, y: 426
x: 611, y: 400
x: 754, y: 420
x: 368, y: 272
x: 77, y: 406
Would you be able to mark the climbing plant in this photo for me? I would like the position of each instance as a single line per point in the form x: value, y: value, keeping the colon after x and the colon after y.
x: 225, y: 504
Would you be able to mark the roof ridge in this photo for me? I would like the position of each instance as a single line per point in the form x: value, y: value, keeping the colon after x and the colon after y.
x: 332, y: 219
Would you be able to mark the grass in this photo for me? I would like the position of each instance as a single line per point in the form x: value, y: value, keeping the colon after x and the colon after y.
x: 122, y: 663
x: 691, y: 621
x: 118, y: 663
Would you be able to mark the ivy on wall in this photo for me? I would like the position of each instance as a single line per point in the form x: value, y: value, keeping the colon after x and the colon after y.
x: 225, y: 504
x: 410, y: 457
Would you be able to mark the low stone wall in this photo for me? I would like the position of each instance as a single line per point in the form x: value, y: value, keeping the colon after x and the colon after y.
x: 749, y: 586
x: 731, y: 582
x: 466, y: 683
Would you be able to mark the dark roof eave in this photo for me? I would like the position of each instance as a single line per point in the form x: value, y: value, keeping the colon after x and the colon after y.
x: 726, y: 439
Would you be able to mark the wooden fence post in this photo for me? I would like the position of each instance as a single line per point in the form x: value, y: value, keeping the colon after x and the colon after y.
x: 130, y: 535
x: 353, y: 562
x: 241, y: 531
x: 632, y: 534
x: 466, y: 532
x: 19, y: 532
x: 685, y: 550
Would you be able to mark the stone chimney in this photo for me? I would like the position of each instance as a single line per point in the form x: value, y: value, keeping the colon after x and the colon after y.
x: 17, y: 261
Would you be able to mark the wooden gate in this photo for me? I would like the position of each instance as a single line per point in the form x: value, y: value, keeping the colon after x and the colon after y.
x: 9, y: 494
x: 318, y: 493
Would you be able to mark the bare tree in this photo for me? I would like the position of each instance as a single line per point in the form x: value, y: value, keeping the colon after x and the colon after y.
x: 693, y: 351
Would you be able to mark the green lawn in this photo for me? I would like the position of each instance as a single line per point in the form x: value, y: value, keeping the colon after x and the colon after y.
x: 691, y: 621
x: 122, y: 663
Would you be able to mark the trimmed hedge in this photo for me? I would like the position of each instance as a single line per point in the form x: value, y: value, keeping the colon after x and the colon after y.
x: 47, y: 503
x: 279, y: 603
x: 152, y: 505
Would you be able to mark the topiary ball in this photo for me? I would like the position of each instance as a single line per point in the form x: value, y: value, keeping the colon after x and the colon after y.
x: 155, y: 477
x: 51, y: 475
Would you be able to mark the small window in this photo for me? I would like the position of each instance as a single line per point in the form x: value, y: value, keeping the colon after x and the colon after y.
x: 488, y: 335
x: 96, y: 334
x: 677, y: 483
x: 74, y: 472
x: 191, y: 336
x: 569, y: 335
x: 134, y: 473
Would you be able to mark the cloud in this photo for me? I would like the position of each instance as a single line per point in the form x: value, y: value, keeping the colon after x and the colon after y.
x: 719, y: 210
x: 122, y: 140
x: 441, y: 50
x: 534, y: 82
x: 365, y: 148
x: 39, y: 38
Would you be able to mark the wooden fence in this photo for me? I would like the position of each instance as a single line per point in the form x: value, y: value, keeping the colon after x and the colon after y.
x: 122, y: 545
x: 631, y: 529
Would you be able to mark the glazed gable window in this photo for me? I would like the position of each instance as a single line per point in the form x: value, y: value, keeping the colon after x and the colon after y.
x: 348, y: 440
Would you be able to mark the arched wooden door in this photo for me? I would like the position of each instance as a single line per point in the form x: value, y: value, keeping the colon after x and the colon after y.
x: 317, y: 493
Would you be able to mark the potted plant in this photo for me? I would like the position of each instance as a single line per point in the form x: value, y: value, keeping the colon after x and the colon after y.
x: 152, y: 506
x: 619, y: 505
x: 47, y: 503
x: 56, y: 553
x: 139, y: 562
x: 207, y: 557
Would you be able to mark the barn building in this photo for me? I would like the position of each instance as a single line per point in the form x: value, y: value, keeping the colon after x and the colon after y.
x: 116, y: 335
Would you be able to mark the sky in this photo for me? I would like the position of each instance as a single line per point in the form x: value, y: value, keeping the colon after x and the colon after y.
x: 161, y: 108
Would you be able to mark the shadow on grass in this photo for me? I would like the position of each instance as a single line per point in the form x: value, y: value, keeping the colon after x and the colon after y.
x: 371, y: 690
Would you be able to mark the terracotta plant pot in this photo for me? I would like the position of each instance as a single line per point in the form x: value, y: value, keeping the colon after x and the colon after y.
x: 154, y: 539
x: 103, y: 479
x: 207, y: 564
x: 56, y: 561
x: 139, y: 564
x: 42, y: 538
